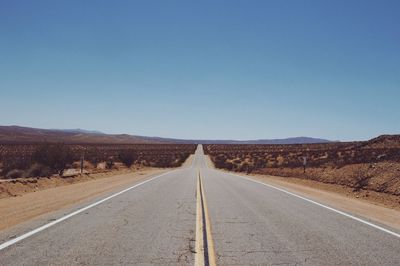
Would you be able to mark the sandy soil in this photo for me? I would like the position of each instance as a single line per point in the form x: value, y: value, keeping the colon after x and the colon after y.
x: 380, y: 207
x: 188, y: 161
x: 53, y: 194
x: 381, y: 177
x: 21, y: 186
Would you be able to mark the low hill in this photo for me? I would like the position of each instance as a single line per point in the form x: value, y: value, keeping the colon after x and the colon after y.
x: 384, y: 141
x: 18, y: 134
x: 295, y: 140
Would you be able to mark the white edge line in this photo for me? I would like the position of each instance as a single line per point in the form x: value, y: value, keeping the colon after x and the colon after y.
x: 323, y: 206
x: 44, y: 227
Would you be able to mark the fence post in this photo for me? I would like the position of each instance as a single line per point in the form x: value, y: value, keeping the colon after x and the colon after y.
x: 82, y: 160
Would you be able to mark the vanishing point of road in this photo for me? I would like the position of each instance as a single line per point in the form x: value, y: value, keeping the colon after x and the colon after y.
x: 201, y: 216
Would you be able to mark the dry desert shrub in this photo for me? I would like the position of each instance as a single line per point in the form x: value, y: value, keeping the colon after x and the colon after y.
x: 45, y: 159
x: 358, y: 165
x: 54, y: 156
x: 128, y: 157
x: 15, y: 173
x: 38, y: 170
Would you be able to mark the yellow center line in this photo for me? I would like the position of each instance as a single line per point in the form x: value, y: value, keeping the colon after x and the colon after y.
x: 205, y: 254
x: 199, y: 257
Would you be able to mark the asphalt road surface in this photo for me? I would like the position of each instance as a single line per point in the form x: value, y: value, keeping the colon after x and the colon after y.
x: 251, y: 224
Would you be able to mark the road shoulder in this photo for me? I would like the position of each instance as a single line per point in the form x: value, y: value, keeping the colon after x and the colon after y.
x: 381, y: 214
x: 20, y: 209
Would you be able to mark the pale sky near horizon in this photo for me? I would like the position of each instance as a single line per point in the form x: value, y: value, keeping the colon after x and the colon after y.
x: 203, y: 70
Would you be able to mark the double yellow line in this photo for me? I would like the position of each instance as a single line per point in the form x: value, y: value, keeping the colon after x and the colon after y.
x: 205, y: 254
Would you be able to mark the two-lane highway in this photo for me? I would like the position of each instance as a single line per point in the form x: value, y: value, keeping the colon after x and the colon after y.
x: 166, y: 221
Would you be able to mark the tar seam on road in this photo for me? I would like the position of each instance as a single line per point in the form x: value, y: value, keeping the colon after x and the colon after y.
x: 323, y: 206
x: 44, y: 227
x: 205, y: 254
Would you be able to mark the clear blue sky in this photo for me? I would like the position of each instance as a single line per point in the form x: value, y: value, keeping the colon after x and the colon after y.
x: 204, y: 69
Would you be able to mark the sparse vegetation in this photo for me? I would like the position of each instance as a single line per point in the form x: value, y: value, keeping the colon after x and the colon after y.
x: 110, y: 162
x: 15, y: 173
x: 55, y: 157
x: 25, y: 160
x: 372, y: 165
x: 128, y: 157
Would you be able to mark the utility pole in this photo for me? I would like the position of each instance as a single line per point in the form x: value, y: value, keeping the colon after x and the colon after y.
x: 82, y: 160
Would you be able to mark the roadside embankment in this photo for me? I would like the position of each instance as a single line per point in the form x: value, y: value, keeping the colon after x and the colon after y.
x: 377, y: 182
x: 21, y: 186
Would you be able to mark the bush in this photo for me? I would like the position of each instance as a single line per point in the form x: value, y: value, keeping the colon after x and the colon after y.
x: 94, y: 155
x: 38, y: 170
x: 219, y: 161
x: 128, y: 157
x: 12, y: 162
x: 54, y: 156
x: 109, y: 163
x: 260, y: 163
x: 227, y: 165
x: 15, y: 173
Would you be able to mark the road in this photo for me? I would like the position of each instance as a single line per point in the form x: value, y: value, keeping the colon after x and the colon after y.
x: 181, y: 219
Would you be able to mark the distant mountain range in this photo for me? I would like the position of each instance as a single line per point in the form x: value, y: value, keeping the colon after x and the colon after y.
x: 78, y: 130
x: 18, y: 134
x: 295, y: 140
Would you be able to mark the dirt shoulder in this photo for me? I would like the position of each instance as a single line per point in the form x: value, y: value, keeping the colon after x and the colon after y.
x: 22, y: 186
x: 380, y: 207
x: 188, y: 161
x: 341, y: 198
x: 382, y: 177
x: 57, y: 193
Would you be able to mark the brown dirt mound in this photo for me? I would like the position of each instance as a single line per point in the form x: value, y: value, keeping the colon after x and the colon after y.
x: 380, y: 177
x: 21, y: 186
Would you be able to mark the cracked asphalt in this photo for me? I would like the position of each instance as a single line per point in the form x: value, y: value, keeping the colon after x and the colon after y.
x: 149, y: 225
x: 256, y: 225
x: 251, y: 225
